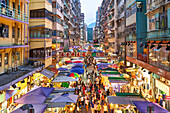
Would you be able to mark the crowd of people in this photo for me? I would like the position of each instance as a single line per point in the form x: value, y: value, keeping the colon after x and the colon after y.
x: 92, y: 96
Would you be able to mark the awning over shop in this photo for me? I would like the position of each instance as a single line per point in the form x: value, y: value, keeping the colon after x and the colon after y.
x: 10, y: 93
x: 38, y: 108
x: 118, y: 100
x: 128, y: 94
x: 64, y: 90
x: 63, y: 79
x: 113, y: 72
x: 47, y: 73
x: 117, y: 80
x: 142, y: 107
x: 111, y: 75
x: 56, y: 104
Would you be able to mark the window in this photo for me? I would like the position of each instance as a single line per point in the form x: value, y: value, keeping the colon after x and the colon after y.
x: 18, y: 32
x: 6, y: 58
x: 13, y: 32
x: 0, y: 60
x: 18, y: 55
x: 13, y: 55
x: 41, y: 13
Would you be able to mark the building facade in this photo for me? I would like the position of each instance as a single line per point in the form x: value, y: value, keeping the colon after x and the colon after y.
x: 40, y: 30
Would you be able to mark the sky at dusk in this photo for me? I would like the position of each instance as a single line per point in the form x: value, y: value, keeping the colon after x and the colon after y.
x: 89, y: 7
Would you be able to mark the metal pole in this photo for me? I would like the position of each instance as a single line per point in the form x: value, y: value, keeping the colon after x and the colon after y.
x: 124, y: 34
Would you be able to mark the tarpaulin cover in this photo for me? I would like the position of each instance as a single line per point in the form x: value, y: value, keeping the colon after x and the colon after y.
x: 65, y: 98
x: 102, y: 65
x: 31, y: 99
x: 10, y: 93
x: 44, y: 91
x: 142, y: 107
x: 62, y: 69
x: 113, y: 72
x: 68, y: 62
x: 78, y: 65
x: 38, y: 108
x: 78, y: 70
x: 128, y: 94
x: 47, y: 73
x: 63, y: 79
x: 77, y: 61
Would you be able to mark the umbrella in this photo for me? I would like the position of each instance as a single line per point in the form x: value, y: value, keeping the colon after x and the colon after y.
x: 71, y: 98
x: 68, y: 62
x: 31, y: 99
x: 113, y: 66
x: 74, y: 75
x: 78, y: 62
x: 78, y: 70
x: 62, y: 69
x: 78, y: 65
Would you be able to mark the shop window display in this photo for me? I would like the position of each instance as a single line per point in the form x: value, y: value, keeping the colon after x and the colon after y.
x: 131, y: 50
x: 160, y: 57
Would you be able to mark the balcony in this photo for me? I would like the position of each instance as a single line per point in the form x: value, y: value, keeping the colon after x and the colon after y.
x: 65, y: 3
x: 17, y: 74
x: 13, y: 14
x: 162, y: 33
x: 65, y: 14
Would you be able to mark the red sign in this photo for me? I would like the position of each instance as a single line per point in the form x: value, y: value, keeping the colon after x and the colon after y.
x: 83, y: 54
x: 101, y: 54
x: 167, y: 97
x: 67, y: 54
x: 61, y: 54
x: 97, y: 54
x: 73, y: 54
x: 78, y: 55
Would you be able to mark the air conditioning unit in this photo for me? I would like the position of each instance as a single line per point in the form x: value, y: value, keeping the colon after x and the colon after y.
x: 9, y: 70
x: 14, y: 69
x: 35, y: 64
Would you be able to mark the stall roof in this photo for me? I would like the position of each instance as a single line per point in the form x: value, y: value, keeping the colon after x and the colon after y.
x: 113, y: 72
x: 117, y: 80
x: 63, y: 79
x: 123, y: 100
x: 142, y: 107
x: 128, y: 94
x: 64, y: 90
x: 56, y: 104
x: 47, y: 73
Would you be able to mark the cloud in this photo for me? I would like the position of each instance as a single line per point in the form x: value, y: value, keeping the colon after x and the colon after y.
x: 89, y: 7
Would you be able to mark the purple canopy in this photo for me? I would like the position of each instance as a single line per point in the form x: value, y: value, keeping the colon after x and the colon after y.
x: 142, y: 107
x: 79, y: 65
x: 103, y: 65
x: 44, y: 91
x: 31, y: 99
x: 65, y: 98
x: 77, y: 70
x: 62, y: 69
x: 38, y: 108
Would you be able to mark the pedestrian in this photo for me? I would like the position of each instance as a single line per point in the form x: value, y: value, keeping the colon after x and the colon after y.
x: 92, y: 106
x: 82, y: 100
x: 108, y: 92
x: 86, y: 108
x: 105, y: 108
x: 99, y: 107
x: 103, y: 98
x: 95, y: 107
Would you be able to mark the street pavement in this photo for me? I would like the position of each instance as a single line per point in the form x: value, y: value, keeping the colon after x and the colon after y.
x: 85, y: 78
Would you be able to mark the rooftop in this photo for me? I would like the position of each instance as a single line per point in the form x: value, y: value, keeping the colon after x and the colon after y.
x: 6, y: 80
